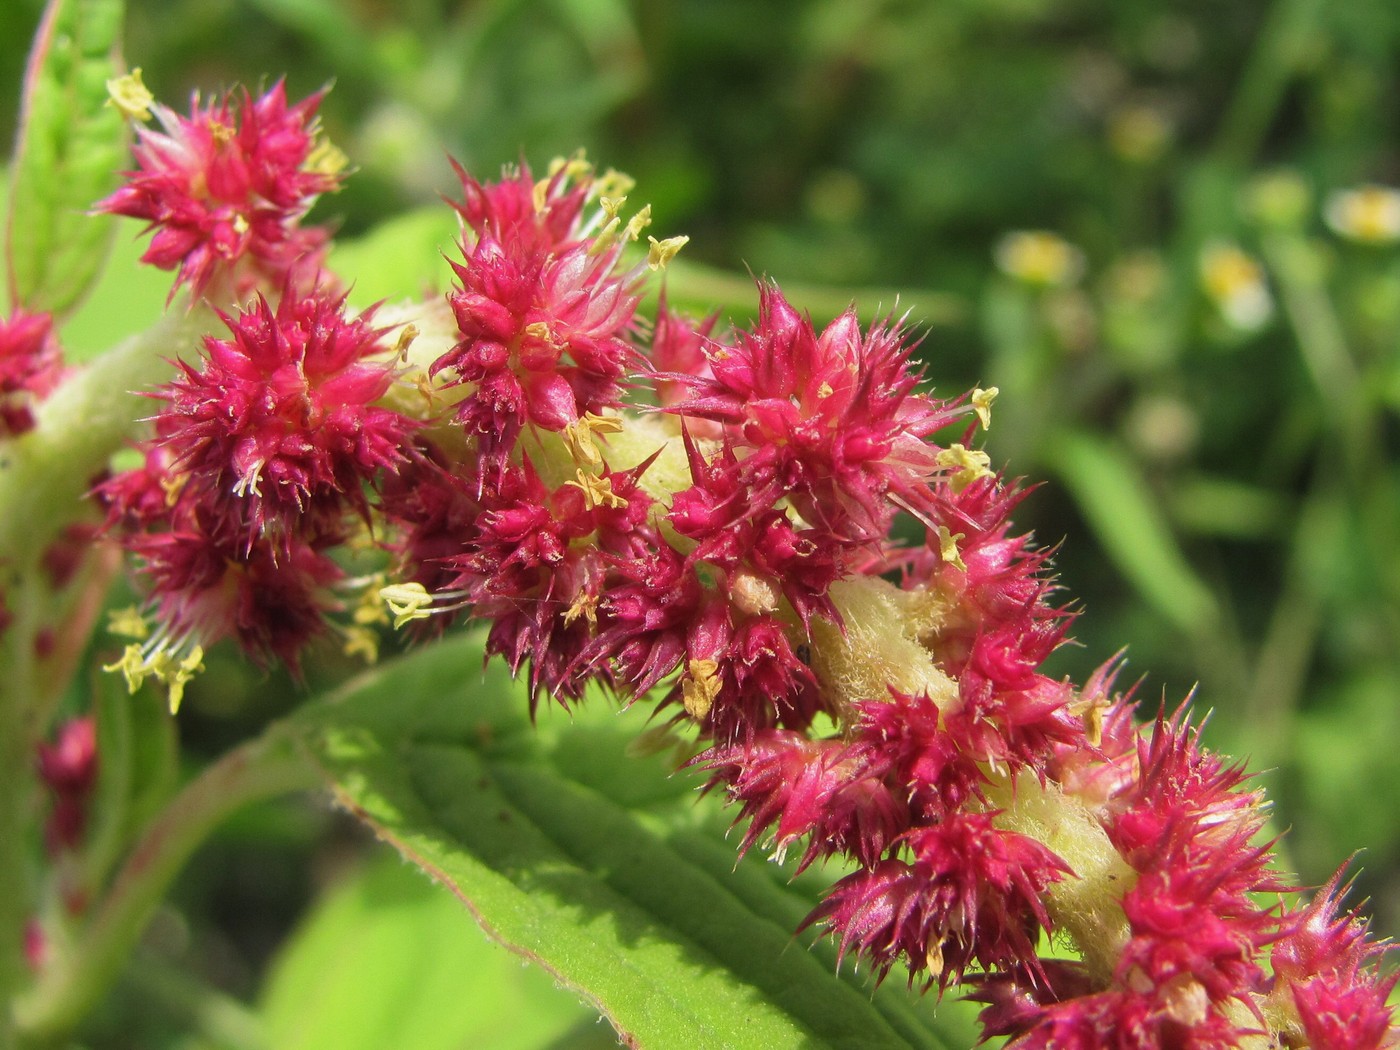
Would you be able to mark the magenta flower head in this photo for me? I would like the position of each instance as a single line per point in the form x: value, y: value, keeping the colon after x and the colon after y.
x: 543, y: 309
x: 830, y: 419
x: 224, y: 191
x: 278, y: 430
x: 31, y: 365
x: 264, y: 456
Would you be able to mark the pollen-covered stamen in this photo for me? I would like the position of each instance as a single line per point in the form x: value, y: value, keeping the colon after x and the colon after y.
x: 172, y: 661
x: 700, y: 686
x: 130, y: 97
x: 964, y: 465
x: 411, y: 601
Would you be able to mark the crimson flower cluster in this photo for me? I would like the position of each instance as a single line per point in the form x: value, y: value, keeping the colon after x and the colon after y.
x: 258, y: 468
x: 707, y: 518
x: 224, y: 190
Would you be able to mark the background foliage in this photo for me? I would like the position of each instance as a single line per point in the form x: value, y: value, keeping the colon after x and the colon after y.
x: 1228, y: 496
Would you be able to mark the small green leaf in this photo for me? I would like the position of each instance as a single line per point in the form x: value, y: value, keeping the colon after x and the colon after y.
x: 613, y: 882
x: 1125, y: 516
x: 70, y: 149
x: 389, y: 959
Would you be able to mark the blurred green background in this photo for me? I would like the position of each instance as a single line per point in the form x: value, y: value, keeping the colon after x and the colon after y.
x: 1205, y: 372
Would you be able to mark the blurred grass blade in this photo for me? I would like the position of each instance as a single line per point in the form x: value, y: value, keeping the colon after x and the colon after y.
x: 71, y: 146
x: 1117, y: 503
x: 587, y: 883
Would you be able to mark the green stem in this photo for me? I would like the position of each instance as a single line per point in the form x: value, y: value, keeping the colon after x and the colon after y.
x: 44, y: 477
x: 266, y: 767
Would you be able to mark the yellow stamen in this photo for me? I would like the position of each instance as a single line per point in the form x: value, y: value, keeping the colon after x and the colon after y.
x: 585, y: 605
x: 662, y: 252
x: 699, y: 687
x: 578, y: 437
x: 948, y: 548
x: 407, y: 334
x: 128, y: 623
x: 325, y: 158
x: 129, y: 97
x: 966, y: 465
x: 175, y: 676
x: 132, y: 666
x: 597, y: 492
x: 407, y: 601
x: 637, y: 223
x: 982, y: 405
x: 171, y: 486
x: 614, y: 183
x: 362, y: 642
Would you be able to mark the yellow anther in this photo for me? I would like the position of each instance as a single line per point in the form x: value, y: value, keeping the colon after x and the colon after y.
x: 611, y: 205
x: 362, y: 642
x: 176, y: 676
x: 582, y: 448
x: 966, y: 465
x: 573, y: 167
x: 825, y: 390
x: 407, y: 601
x: 699, y: 686
x: 539, y: 195
x: 132, y: 666
x: 326, y: 158
x: 578, y: 437
x: 221, y: 133
x: 540, y: 330
x: 585, y: 605
x: 597, y: 492
x: 982, y: 405
x: 370, y: 609
x: 424, y: 385
x: 948, y: 548
x: 637, y: 223
x: 662, y: 252
x: 407, y: 334
x: 614, y: 183
x: 240, y: 224
x: 128, y: 623
x: 171, y: 486
x: 605, y: 237
x: 129, y: 97
x: 1090, y: 710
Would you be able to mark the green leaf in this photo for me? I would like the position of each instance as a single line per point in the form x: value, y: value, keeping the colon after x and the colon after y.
x: 1125, y: 516
x: 598, y: 866
x: 389, y: 959
x: 70, y: 149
